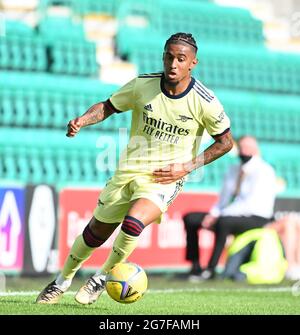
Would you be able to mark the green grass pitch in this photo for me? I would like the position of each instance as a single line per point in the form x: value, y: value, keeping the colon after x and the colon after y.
x: 167, y: 295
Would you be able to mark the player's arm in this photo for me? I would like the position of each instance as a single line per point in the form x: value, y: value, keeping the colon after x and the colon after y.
x: 120, y: 101
x: 96, y: 113
x: 173, y: 172
x: 221, y: 146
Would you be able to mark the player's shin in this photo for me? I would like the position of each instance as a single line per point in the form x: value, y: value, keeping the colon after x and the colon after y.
x: 124, y: 244
x: 82, y: 249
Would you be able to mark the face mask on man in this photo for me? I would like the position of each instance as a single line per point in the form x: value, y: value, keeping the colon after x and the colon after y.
x: 245, y: 158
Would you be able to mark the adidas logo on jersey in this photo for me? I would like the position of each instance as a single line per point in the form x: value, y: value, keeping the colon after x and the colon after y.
x: 148, y: 108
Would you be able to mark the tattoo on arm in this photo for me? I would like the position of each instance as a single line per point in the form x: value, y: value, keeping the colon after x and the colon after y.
x: 95, y: 114
x: 221, y: 145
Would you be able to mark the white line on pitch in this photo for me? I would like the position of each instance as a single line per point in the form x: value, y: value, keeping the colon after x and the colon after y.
x: 156, y: 291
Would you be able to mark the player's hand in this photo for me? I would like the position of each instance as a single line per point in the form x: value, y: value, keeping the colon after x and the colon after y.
x: 171, y: 173
x: 73, y: 127
x: 208, y: 221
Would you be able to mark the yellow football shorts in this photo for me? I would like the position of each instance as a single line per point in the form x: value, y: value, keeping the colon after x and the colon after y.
x: 115, y: 199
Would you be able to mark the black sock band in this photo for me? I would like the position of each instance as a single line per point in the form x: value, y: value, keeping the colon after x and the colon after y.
x: 90, y: 239
x: 132, y: 226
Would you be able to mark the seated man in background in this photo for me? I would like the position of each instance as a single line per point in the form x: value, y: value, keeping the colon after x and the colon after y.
x: 245, y: 202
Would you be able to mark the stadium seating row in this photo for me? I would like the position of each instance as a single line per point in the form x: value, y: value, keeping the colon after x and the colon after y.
x: 207, y: 21
x: 48, y: 156
x: 61, y: 48
x: 78, y: 57
x: 50, y: 110
x: 53, y: 28
x: 17, y: 28
x: 269, y: 117
x: 229, y: 67
x: 31, y: 54
x: 83, y: 7
x: 22, y: 53
x: 73, y: 58
x: 50, y: 101
x: 48, y: 82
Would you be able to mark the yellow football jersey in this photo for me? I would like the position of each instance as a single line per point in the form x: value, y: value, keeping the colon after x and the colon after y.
x: 166, y: 128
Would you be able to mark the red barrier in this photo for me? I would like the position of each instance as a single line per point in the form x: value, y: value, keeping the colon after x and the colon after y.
x: 160, y: 246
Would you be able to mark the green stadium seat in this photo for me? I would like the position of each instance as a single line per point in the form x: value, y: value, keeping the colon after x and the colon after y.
x: 8, y: 163
x: 6, y: 107
x: 19, y: 110
x: 53, y: 28
x: 32, y: 109
x: 4, y: 54
x: 17, y: 28
x: 23, y: 164
x: 44, y: 4
x: 285, y: 159
x: 61, y: 160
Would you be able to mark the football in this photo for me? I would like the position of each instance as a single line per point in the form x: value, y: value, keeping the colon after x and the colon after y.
x: 126, y: 282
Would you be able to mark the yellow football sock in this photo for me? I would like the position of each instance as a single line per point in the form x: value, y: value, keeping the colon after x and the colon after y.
x: 79, y: 253
x: 123, y: 246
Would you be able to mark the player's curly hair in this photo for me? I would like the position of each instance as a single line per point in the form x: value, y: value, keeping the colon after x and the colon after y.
x: 184, y: 37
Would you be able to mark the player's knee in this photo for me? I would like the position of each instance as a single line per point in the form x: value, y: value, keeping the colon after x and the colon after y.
x: 91, y: 239
x: 132, y: 226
